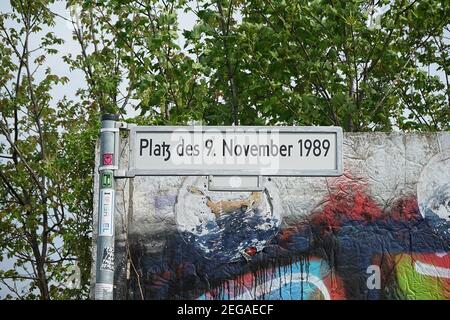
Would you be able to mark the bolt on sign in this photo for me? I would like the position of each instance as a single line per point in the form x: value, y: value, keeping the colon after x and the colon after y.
x: 264, y: 151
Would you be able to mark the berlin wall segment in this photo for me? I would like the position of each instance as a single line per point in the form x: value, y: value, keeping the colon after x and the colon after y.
x: 379, y: 231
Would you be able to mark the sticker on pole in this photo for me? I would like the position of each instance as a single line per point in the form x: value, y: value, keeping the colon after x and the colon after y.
x: 103, y: 291
x: 107, y: 259
x: 266, y: 151
x: 106, y: 216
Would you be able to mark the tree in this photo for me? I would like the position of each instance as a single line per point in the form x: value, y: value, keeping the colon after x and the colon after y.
x: 129, y: 52
x: 46, y: 163
x: 328, y: 62
x: 363, y: 65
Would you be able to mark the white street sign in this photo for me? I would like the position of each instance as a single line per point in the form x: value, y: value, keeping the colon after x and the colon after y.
x: 266, y: 151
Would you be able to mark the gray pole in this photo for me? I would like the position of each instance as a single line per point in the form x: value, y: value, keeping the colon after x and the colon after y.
x: 104, y: 281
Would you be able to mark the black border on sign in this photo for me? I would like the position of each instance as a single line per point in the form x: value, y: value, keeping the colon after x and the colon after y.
x: 168, y: 309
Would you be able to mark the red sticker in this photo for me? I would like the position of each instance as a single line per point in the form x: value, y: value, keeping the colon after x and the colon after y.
x: 107, y: 159
x: 251, y: 251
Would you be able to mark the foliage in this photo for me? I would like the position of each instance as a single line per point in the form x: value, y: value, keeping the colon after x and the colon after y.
x: 362, y: 65
x: 46, y: 166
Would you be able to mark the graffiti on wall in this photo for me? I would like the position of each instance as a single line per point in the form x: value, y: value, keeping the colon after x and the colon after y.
x: 349, y: 247
x: 226, y: 230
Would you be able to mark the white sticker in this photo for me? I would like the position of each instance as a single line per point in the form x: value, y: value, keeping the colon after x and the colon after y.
x: 106, y: 225
x: 107, y: 259
x: 103, y: 291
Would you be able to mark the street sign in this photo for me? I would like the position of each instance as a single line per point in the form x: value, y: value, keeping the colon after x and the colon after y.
x: 235, y: 151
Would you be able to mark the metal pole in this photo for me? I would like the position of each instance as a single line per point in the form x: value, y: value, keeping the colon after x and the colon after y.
x: 104, y: 281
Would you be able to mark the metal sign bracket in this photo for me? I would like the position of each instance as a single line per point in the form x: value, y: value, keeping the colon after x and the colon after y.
x: 235, y: 183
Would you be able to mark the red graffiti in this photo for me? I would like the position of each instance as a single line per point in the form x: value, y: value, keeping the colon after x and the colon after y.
x: 347, y: 200
x: 405, y: 209
x: 251, y: 251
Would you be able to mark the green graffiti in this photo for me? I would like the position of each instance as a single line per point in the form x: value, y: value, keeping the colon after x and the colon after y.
x: 416, y: 286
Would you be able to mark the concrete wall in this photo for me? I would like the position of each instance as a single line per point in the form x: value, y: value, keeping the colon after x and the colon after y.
x: 380, y: 231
